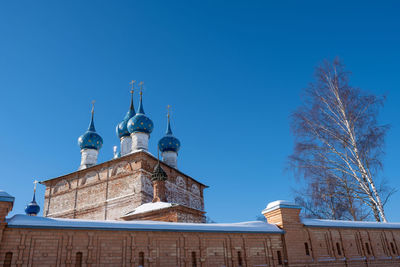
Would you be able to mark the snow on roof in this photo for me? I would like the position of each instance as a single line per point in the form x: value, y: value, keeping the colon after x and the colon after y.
x: 280, y: 204
x: 151, y: 207
x: 4, y: 196
x: 348, y: 224
x: 25, y: 221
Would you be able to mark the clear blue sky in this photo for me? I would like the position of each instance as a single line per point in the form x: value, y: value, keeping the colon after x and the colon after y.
x: 232, y: 70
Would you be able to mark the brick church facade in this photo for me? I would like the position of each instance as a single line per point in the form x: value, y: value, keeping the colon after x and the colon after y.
x: 111, y: 190
x: 139, y: 210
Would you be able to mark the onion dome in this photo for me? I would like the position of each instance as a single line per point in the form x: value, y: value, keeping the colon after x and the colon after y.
x: 122, y: 127
x: 90, y: 139
x: 158, y: 173
x: 32, y: 208
x: 169, y: 142
x: 140, y: 123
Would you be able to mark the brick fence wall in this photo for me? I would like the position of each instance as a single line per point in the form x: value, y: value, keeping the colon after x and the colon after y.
x: 47, y: 247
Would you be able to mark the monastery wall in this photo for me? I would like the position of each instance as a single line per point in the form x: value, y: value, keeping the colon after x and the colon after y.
x: 108, y: 191
x: 313, y: 242
x: 36, y: 241
x: 47, y: 247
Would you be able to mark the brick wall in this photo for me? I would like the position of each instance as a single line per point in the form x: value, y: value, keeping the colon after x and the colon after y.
x: 46, y: 247
x: 334, y: 246
x: 111, y: 189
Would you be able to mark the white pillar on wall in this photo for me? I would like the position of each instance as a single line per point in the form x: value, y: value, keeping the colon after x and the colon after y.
x: 126, y: 145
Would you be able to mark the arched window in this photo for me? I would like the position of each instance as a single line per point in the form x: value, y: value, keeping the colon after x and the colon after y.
x: 240, y: 261
x: 8, y: 259
x: 279, y: 257
x: 307, y: 249
x: 367, y: 248
x: 141, y: 259
x: 78, y: 259
x: 194, y: 261
x: 393, y: 248
x: 339, y: 251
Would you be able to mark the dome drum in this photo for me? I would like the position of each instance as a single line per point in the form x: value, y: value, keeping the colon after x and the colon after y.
x: 140, y: 141
x: 126, y: 145
x: 170, y: 158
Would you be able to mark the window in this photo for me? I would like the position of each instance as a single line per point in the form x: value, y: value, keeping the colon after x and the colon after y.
x: 141, y: 259
x: 7, y: 259
x: 393, y: 248
x: 339, y: 251
x: 367, y: 248
x: 240, y: 261
x: 279, y: 257
x: 194, y: 262
x: 307, y: 249
x: 78, y: 259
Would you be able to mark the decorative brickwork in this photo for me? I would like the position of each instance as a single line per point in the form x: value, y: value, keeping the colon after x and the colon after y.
x: 109, y: 190
x: 46, y: 247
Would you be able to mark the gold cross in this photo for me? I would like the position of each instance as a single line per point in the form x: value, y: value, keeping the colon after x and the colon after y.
x: 93, y: 101
x: 35, y: 183
x: 141, y: 88
x: 168, y: 109
x: 132, y: 84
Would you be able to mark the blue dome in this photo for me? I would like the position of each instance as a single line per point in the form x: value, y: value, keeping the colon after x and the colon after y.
x: 140, y: 123
x: 169, y: 142
x: 122, y: 127
x: 90, y: 139
x: 32, y: 208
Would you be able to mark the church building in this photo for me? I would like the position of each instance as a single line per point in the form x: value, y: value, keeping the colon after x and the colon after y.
x: 134, y: 185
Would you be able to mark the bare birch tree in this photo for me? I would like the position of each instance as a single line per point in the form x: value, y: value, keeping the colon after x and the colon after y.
x: 339, y: 142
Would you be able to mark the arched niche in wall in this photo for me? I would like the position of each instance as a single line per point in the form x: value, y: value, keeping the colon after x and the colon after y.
x: 89, y: 178
x: 61, y: 186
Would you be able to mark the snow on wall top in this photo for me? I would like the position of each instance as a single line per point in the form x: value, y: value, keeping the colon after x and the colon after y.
x: 280, y: 204
x: 25, y: 221
x: 151, y: 207
x: 348, y: 224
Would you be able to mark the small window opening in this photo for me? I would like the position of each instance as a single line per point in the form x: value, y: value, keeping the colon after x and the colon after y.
x: 307, y: 249
x: 141, y: 259
x: 78, y: 259
x: 339, y: 251
x: 393, y: 248
x: 194, y: 262
x: 240, y: 261
x: 8, y: 259
x: 279, y: 257
x: 367, y: 247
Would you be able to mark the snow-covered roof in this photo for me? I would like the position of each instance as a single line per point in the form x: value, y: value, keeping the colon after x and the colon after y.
x: 348, y: 224
x: 25, y: 221
x: 151, y: 207
x: 280, y: 204
x: 4, y: 196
